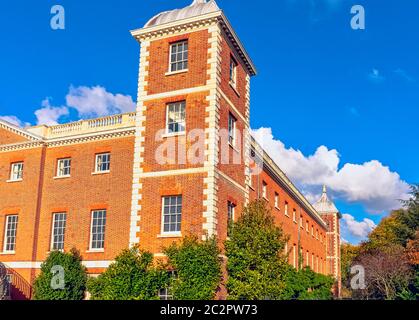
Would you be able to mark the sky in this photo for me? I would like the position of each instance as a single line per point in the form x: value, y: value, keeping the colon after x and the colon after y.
x: 332, y: 105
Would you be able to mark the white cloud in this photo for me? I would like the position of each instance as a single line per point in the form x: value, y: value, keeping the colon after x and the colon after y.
x: 96, y: 101
x: 372, y: 184
x: 358, y: 229
x: 15, y: 121
x: 50, y: 115
x: 376, y: 76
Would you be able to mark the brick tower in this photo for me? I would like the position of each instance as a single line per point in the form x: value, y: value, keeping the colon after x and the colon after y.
x: 192, y: 127
x: 331, y: 216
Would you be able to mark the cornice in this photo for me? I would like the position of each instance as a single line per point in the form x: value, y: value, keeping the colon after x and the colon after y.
x: 19, y: 131
x: 57, y: 142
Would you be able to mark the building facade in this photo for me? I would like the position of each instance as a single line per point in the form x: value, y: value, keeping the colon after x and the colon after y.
x: 184, y: 163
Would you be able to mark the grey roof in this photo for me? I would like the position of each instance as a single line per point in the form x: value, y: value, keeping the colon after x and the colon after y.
x: 197, y: 8
x: 324, y: 205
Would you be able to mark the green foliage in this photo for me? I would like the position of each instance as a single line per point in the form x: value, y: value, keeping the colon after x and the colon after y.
x: 75, y: 277
x: 256, y: 264
x: 131, y: 277
x: 198, y: 269
x: 305, y: 284
x: 348, y: 254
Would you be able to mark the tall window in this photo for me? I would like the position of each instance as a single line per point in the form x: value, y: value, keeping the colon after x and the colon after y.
x: 166, y: 293
x: 232, y: 126
x: 231, y: 207
x: 307, y: 227
x: 233, y: 72
x: 276, y: 200
x: 16, y: 172
x: 264, y: 190
x: 103, y: 162
x: 301, y: 222
x: 59, y: 222
x: 317, y: 234
x: 179, y: 56
x: 294, y: 216
x: 97, y: 234
x: 10, y: 233
x: 312, y: 231
x: 64, y: 167
x: 294, y: 256
x: 286, y: 209
x: 172, y: 214
x: 176, y: 117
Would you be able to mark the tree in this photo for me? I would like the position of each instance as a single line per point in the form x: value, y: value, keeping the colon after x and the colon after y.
x: 256, y: 262
x: 62, y: 277
x: 348, y: 254
x: 131, y: 277
x: 198, y: 269
x: 388, y: 273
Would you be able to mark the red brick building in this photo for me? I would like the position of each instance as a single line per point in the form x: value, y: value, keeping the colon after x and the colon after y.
x: 184, y: 163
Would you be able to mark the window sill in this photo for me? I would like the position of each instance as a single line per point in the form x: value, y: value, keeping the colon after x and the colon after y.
x: 100, y: 172
x: 232, y: 146
x: 61, y: 177
x: 175, y: 134
x: 234, y: 87
x: 95, y: 251
x: 277, y: 208
x: 14, y: 181
x: 170, y: 235
x: 6, y: 253
x: 171, y: 73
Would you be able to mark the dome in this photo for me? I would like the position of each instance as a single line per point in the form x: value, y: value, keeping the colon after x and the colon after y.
x: 324, y: 205
x: 197, y: 8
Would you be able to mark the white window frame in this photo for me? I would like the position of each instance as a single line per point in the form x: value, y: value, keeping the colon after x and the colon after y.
x: 61, y: 167
x: 232, y: 130
x: 294, y: 216
x: 233, y: 72
x: 231, y: 212
x: 16, y: 174
x: 294, y: 254
x: 54, y: 228
x: 181, y: 105
x: 301, y: 222
x: 92, y: 219
x: 176, y: 232
x: 286, y: 209
x: 165, y: 294
x: 175, y: 62
x: 98, y: 165
x: 276, y: 200
x: 7, y: 231
x: 264, y: 190
x: 307, y: 227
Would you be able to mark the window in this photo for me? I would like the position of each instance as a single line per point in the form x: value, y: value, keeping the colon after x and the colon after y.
x: 307, y: 259
x: 264, y: 190
x: 307, y: 227
x: 103, y: 162
x: 317, y: 234
x: 64, y: 167
x: 312, y: 231
x: 231, y: 207
x: 301, y: 222
x: 166, y: 293
x: 176, y: 118
x: 10, y: 233
x: 276, y: 200
x: 172, y: 214
x: 179, y: 56
x: 232, y: 122
x: 286, y: 209
x: 16, y: 172
x: 294, y: 256
x: 59, y: 222
x: 233, y: 72
x: 294, y: 216
x: 97, y: 234
x: 312, y: 261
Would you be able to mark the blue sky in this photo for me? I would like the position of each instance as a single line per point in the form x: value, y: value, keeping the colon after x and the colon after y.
x: 341, y: 104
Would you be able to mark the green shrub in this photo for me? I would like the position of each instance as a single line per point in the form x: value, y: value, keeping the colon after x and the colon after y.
x: 198, y: 269
x: 74, y: 277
